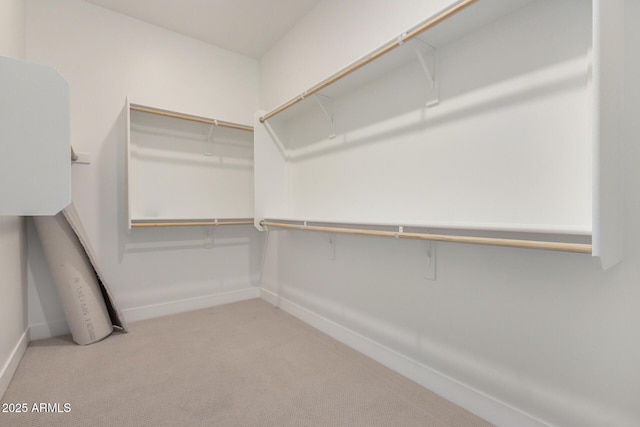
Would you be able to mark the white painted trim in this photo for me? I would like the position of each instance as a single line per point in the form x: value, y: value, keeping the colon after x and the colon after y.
x: 270, y: 297
x: 189, y: 304
x: 11, y: 365
x: 42, y: 331
x: 60, y: 327
x: 467, y: 397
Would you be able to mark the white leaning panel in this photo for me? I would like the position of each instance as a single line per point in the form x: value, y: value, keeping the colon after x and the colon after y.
x: 608, y: 233
x: 35, y: 159
x: 130, y: 184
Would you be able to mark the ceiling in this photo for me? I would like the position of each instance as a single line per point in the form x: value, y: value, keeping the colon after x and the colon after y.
x: 248, y: 27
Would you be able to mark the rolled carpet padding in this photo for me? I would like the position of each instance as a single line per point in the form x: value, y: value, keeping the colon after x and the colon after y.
x: 117, y: 319
x: 80, y: 290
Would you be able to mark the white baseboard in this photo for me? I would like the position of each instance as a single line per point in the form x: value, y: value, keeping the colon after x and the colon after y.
x: 10, y: 365
x: 270, y: 297
x: 42, y: 331
x: 190, y: 304
x: 60, y: 327
x: 474, y: 401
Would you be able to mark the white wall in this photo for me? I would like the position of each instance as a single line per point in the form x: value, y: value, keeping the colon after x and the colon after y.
x: 549, y: 334
x: 13, y: 303
x: 12, y: 28
x: 13, y: 281
x: 106, y: 57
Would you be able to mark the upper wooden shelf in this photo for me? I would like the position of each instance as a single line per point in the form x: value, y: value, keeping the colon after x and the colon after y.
x: 459, y: 18
x: 35, y: 135
x: 188, y: 117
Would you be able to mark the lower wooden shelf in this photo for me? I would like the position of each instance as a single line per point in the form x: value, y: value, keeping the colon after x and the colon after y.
x: 191, y: 223
x: 583, y: 248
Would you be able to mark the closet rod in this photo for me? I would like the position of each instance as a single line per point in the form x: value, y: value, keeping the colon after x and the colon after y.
x: 429, y: 23
x: 191, y: 223
x: 511, y: 243
x: 190, y: 118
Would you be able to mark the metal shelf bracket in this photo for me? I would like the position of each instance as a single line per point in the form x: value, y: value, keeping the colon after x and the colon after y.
x: 209, y: 142
x: 326, y: 105
x: 426, y: 55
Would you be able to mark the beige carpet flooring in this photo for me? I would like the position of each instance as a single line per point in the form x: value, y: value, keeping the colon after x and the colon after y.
x: 242, y: 364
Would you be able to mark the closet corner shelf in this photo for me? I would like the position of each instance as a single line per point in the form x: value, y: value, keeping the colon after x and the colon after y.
x: 582, y: 248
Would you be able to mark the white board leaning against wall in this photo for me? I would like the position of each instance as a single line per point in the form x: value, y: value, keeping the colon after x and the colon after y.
x: 35, y: 146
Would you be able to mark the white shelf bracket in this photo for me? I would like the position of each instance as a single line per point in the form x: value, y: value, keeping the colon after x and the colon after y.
x: 426, y: 55
x: 326, y: 105
x: 209, y: 235
x: 209, y: 143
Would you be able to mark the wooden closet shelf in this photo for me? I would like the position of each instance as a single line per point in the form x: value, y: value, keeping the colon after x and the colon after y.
x: 490, y: 241
x: 191, y: 223
x: 181, y: 116
x: 389, y: 46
